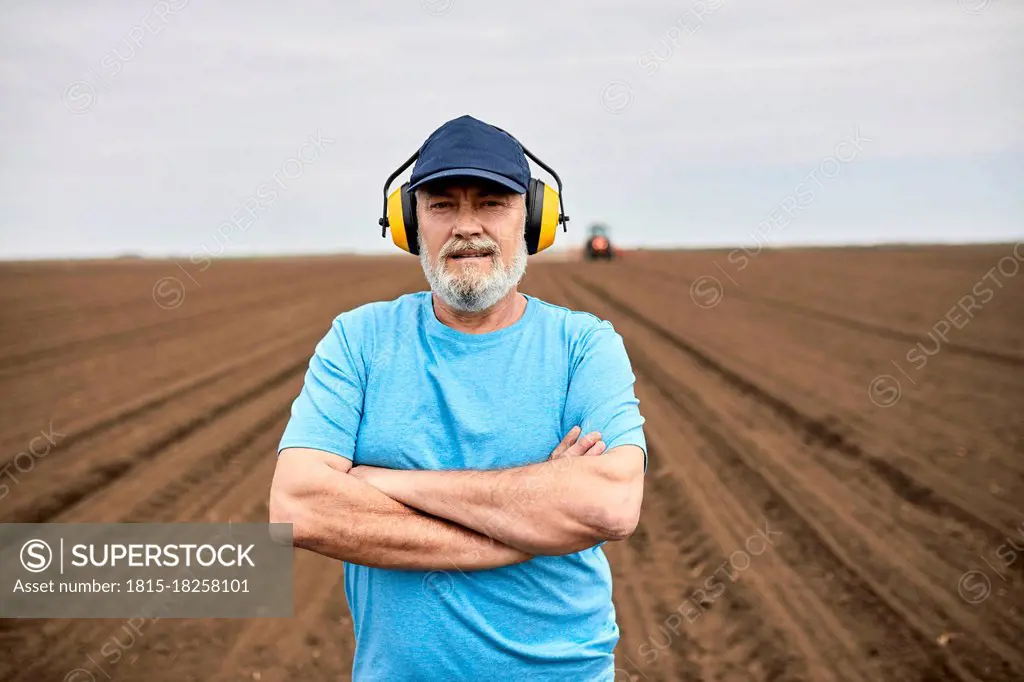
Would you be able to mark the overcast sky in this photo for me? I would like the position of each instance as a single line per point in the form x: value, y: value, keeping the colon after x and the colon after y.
x: 145, y: 127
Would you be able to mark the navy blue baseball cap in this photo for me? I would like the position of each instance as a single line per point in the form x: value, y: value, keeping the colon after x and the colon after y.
x: 469, y: 147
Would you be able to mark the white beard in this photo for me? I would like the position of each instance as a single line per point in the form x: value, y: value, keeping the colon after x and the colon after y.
x: 473, y: 291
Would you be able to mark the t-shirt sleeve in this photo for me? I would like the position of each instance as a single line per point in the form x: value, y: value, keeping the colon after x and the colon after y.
x: 327, y: 412
x: 600, y: 396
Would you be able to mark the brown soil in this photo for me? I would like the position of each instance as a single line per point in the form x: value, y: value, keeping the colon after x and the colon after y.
x: 765, y: 418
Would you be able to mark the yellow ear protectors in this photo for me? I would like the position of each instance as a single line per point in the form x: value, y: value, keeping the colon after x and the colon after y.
x: 545, y: 211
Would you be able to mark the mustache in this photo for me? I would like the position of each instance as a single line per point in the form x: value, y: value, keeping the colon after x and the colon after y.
x: 457, y: 246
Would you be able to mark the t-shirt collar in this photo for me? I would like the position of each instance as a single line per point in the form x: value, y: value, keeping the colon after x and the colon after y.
x: 436, y: 327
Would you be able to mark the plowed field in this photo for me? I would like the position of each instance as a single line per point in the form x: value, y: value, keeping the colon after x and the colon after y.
x: 836, y: 482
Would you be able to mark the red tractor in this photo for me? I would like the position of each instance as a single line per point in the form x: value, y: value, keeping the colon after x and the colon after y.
x: 599, y: 246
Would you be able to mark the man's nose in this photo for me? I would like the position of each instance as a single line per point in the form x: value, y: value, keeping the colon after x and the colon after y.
x: 467, y: 223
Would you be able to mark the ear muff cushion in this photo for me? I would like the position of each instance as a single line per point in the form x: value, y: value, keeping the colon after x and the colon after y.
x: 396, y: 220
x: 402, y: 220
x: 412, y: 225
x: 548, y: 219
x: 534, y: 214
x: 541, y: 216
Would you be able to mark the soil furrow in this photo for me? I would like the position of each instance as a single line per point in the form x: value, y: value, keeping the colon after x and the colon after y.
x: 993, y: 355
x: 913, y: 491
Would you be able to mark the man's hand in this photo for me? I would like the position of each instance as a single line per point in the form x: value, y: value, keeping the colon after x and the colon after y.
x: 364, y: 472
x: 572, y: 445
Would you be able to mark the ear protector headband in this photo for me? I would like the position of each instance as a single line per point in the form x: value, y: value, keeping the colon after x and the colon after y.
x: 545, y: 211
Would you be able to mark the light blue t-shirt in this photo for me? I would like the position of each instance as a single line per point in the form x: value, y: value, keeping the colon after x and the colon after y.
x: 392, y: 386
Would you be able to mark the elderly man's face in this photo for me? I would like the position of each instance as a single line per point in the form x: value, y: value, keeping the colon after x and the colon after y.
x: 472, y: 246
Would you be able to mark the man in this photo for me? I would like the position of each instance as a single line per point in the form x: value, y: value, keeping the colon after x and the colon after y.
x: 466, y: 451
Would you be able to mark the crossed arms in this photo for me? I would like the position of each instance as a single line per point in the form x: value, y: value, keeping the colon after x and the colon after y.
x: 581, y: 495
x: 468, y: 520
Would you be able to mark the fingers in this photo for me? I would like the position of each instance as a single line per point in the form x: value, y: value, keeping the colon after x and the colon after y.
x: 596, y: 449
x: 573, y: 445
x: 585, y: 444
x: 569, y: 440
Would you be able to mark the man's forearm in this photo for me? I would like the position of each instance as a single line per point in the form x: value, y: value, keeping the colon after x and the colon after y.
x: 556, y: 507
x: 346, y: 519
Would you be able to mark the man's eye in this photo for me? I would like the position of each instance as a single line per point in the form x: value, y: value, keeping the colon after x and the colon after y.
x: 440, y: 204
x: 492, y: 202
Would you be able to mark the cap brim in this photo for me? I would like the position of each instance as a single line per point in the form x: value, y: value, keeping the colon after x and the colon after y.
x: 473, y: 173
